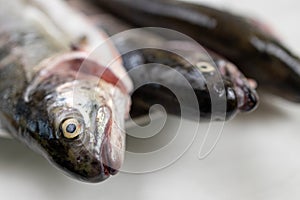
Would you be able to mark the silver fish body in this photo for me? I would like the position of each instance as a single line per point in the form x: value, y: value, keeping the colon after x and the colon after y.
x: 55, y: 98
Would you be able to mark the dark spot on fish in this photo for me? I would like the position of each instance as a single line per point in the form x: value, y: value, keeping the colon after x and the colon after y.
x: 85, y: 88
x: 61, y: 99
x: 44, y: 130
x: 94, y: 163
x: 32, y: 126
x: 95, y: 106
x: 74, y: 47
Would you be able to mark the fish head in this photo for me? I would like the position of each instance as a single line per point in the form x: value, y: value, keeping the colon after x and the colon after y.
x: 241, y: 92
x: 86, y: 117
x: 90, y: 143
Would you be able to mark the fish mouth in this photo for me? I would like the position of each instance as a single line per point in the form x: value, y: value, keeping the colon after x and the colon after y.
x: 111, y: 163
x: 246, y: 96
x: 247, y: 99
x: 110, y: 140
x: 109, y: 170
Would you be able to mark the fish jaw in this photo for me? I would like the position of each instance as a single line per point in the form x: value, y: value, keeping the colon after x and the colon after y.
x: 96, y: 105
x: 245, y: 94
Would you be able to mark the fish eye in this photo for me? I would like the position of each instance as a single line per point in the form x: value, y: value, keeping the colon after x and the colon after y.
x: 205, y: 67
x: 71, y: 128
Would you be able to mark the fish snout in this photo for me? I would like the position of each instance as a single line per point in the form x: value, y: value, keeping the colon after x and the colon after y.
x: 248, y: 101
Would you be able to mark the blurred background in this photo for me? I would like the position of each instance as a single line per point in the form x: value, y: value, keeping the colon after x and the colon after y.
x: 257, y: 156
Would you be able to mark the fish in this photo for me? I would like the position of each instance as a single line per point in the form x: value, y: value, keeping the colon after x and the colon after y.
x: 61, y: 98
x: 55, y: 98
x: 213, y: 81
x: 208, y: 74
x: 246, y: 42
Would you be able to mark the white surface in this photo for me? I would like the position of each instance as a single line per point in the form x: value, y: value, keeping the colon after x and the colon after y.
x: 257, y: 157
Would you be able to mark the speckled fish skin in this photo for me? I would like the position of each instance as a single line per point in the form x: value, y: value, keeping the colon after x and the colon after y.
x: 42, y: 92
x: 183, y: 56
x: 237, y: 97
x: 257, y: 53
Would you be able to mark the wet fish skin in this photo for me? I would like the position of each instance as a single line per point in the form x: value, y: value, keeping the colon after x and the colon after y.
x: 249, y: 45
x: 238, y: 98
x: 36, y: 108
x: 154, y: 93
x: 38, y: 128
x: 178, y: 54
x: 44, y: 85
